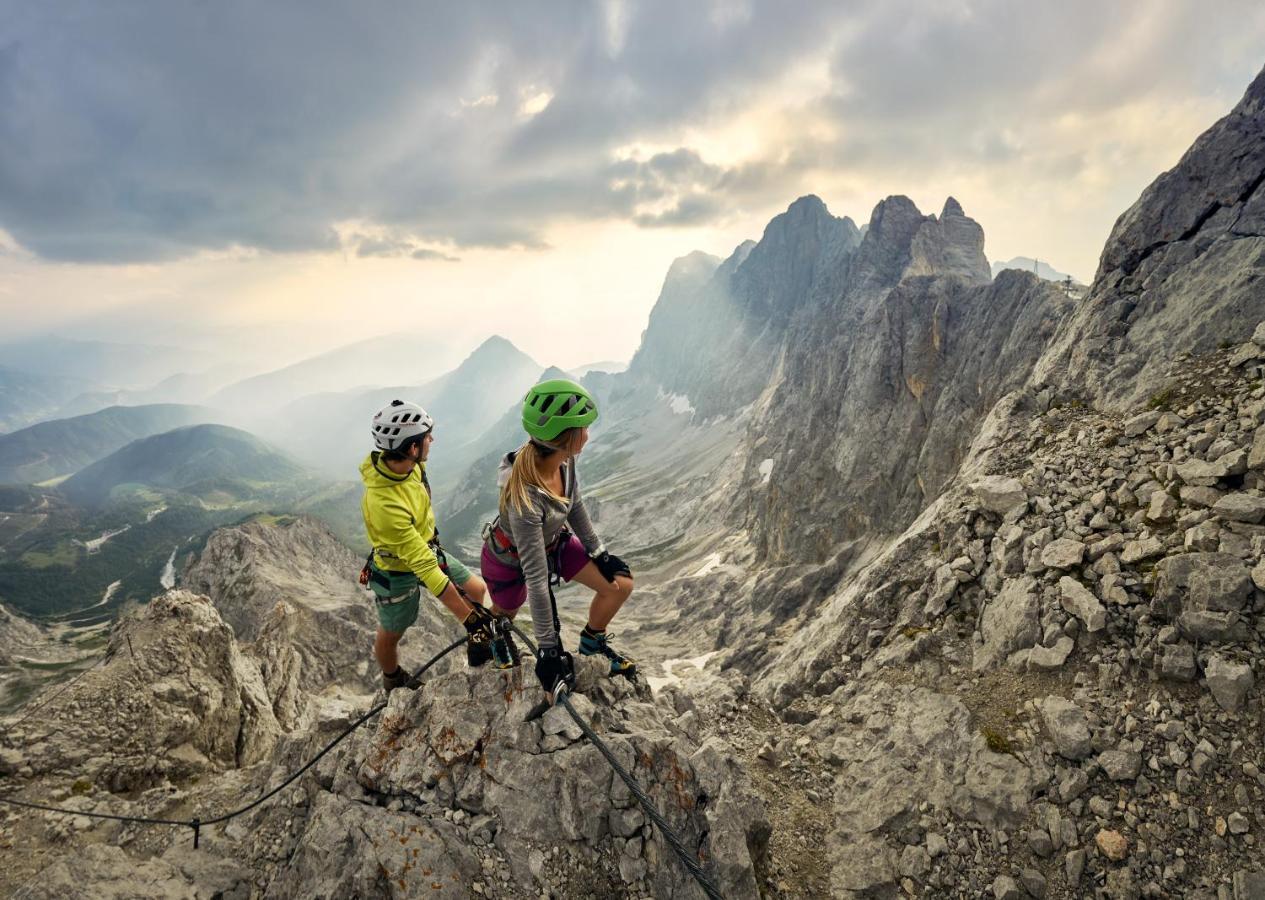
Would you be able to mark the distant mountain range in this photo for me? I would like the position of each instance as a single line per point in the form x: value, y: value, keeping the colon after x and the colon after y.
x: 64, y: 446
x: 331, y: 431
x: 202, y: 460
x: 101, y: 363
x: 1042, y: 270
x: 392, y: 359
x: 27, y: 397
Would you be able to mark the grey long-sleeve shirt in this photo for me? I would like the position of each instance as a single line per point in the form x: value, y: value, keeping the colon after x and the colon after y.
x: 534, y: 529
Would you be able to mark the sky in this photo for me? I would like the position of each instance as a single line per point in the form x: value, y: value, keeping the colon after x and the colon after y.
x: 275, y: 179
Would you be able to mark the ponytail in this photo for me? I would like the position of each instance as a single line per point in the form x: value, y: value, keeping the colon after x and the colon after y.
x: 525, y: 475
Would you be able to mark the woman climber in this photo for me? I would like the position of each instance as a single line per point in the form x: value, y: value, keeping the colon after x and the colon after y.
x: 529, y: 547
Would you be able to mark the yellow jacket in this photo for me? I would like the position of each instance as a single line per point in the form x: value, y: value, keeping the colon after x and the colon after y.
x: 400, y: 522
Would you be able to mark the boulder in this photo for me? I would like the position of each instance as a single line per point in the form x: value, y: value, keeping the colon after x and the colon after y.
x: 1067, y: 726
x: 1241, y: 507
x: 1077, y: 600
x: 921, y: 749
x: 1256, y: 457
x: 1229, y: 681
x: 1063, y: 553
x: 1204, y: 593
x: 1011, y: 621
x: 1047, y: 659
x: 1141, y: 550
x: 999, y: 494
x: 1141, y: 423
x: 1200, y: 472
x: 1178, y: 663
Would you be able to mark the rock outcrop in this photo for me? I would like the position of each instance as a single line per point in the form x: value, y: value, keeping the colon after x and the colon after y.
x: 883, y: 387
x: 453, y: 794
x: 176, y: 698
x: 248, y: 569
x: 1180, y: 272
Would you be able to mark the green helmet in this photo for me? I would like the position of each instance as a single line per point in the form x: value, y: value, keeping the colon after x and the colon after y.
x: 552, y: 407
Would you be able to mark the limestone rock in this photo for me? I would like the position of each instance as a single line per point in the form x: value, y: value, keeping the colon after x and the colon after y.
x: 1067, y: 726
x: 1078, y: 601
x: 1139, y: 551
x: 1205, y: 593
x: 1063, y: 553
x: 921, y: 747
x: 180, y: 699
x: 1112, y: 844
x: 1047, y: 659
x: 1011, y: 622
x: 999, y: 494
x: 1229, y: 680
x: 1240, y: 507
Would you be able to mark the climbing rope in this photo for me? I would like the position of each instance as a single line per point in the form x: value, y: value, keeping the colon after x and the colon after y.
x: 197, y: 823
x: 56, y: 694
x: 647, y: 805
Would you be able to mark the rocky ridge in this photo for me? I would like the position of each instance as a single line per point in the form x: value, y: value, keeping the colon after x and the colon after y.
x: 1084, y: 612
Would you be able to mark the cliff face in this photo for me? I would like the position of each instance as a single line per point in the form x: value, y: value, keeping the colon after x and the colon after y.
x: 714, y: 337
x: 1182, y: 270
x: 883, y: 385
x: 175, y: 698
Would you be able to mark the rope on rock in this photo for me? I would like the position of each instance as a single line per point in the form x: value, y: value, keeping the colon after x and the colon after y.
x: 647, y: 805
x: 58, y: 693
x: 197, y: 823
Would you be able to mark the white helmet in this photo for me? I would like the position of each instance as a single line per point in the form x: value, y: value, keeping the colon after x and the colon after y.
x: 397, y: 423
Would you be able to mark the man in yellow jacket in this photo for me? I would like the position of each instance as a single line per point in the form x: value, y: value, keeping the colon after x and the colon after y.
x: 406, y: 552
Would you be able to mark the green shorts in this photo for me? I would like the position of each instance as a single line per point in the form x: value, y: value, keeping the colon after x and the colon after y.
x: 405, y: 593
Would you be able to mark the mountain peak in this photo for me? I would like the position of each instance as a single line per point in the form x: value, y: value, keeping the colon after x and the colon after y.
x: 951, y: 208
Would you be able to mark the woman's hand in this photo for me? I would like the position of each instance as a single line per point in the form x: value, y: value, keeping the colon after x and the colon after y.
x: 556, y: 670
x: 611, y: 565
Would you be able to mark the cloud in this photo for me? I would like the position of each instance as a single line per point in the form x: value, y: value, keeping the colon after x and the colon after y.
x: 141, y: 135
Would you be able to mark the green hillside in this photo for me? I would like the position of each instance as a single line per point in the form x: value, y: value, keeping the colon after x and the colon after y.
x: 217, y: 464
x: 64, y: 446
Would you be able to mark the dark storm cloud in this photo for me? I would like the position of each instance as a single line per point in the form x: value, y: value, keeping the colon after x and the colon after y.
x: 151, y: 131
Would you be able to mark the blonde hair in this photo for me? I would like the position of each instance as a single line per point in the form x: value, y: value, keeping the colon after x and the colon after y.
x: 525, y: 474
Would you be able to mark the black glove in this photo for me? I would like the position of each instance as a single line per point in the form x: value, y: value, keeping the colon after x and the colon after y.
x: 611, y: 565
x: 479, y: 623
x: 554, y: 667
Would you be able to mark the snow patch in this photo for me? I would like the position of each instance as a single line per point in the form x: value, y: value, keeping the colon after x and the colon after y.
x: 766, y: 470
x: 669, y: 670
x: 168, y: 577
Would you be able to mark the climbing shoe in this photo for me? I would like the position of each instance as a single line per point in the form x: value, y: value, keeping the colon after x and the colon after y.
x: 479, y: 627
x: 393, y: 680
x: 594, y: 642
x: 504, y: 650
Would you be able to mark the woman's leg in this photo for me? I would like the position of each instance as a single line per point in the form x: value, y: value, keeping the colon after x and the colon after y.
x: 608, y: 596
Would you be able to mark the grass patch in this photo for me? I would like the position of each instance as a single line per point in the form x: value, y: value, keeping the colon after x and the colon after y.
x: 996, y: 741
x: 1162, y: 400
x: 913, y: 631
x: 81, y: 786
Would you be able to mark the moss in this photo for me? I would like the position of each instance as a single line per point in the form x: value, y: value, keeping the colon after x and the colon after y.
x: 1161, y: 400
x: 912, y: 631
x: 81, y: 786
x: 996, y: 741
x: 1225, y: 345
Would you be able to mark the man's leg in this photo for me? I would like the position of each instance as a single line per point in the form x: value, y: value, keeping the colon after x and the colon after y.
x: 384, y: 649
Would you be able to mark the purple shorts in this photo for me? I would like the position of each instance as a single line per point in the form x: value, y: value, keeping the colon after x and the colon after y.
x: 506, y: 584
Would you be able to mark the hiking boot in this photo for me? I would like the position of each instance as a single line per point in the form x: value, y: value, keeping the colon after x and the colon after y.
x: 396, y: 679
x: 504, y: 650
x: 593, y: 643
